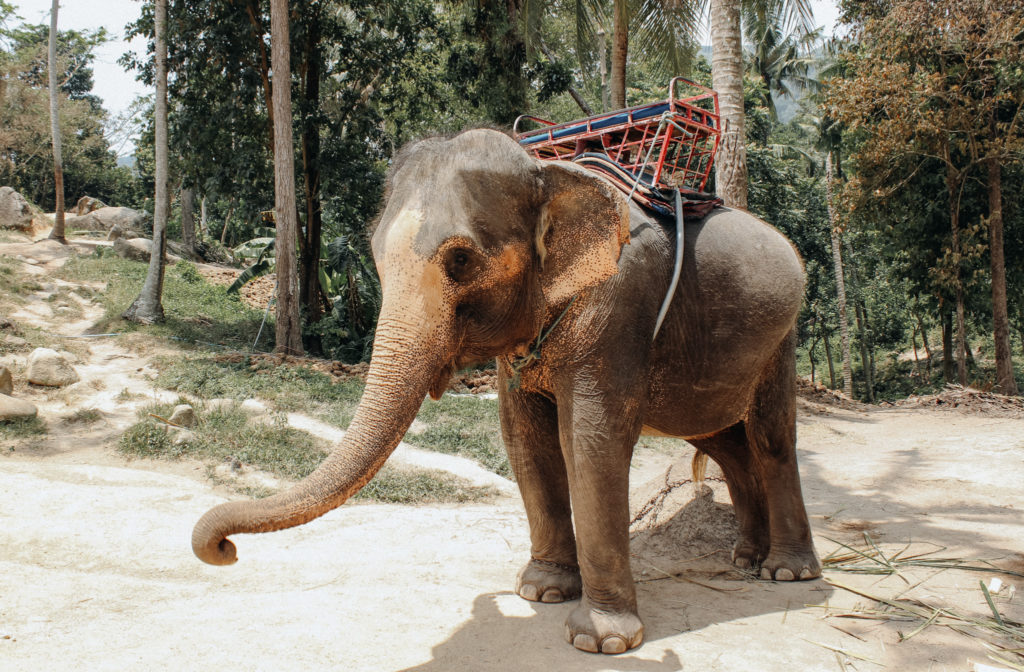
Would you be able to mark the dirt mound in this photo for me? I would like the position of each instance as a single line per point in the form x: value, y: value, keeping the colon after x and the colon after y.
x: 965, y: 400
x: 474, y: 382
x: 255, y: 294
x: 818, y: 396
x: 261, y: 362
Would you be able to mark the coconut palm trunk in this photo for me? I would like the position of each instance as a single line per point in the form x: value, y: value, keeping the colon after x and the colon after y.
x: 288, y: 328
x: 620, y: 49
x: 58, y: 164
x: 727, y: 79
x: 147, y: 308
x: 837, y: 267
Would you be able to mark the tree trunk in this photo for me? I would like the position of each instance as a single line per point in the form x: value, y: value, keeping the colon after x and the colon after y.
x: 202, y: 215
x: 147, y: 308
x: 814, y: 342
x: 727, y: 79
x: 952, y: 183
x: 188, y: 220
x: 602, y: 67
x: 924, y: 341
x: 837, y: 270
x: 948, y: 359
x: 828, y: 357
x: 288, y: 328
x: 58, y: 163
x: 1005, y: 382
x: 865, y: 360
x: 620, y: 49
x: 309, y: 268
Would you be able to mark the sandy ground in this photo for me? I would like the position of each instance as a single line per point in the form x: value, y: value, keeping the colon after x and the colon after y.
x: 96, y: 570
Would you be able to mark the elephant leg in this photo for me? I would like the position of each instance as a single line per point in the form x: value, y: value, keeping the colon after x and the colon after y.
x: 730, y: 451
x: 597, y: 436
x: 529, y: 425
x: 771, y: 434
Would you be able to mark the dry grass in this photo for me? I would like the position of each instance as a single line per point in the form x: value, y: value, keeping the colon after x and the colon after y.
x: 1002, y: 637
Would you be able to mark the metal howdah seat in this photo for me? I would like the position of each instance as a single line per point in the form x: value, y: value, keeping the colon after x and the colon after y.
x: 652, y: 149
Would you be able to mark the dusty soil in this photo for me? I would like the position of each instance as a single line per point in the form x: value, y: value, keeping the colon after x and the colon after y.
x: 96, y: 571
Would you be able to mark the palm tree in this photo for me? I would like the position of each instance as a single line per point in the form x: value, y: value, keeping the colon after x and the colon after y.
x: 782, y: 61
x: 147, y: 308
x: 58, y: 168
x: 288, y: 327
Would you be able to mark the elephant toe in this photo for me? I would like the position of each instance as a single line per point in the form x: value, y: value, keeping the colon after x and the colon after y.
x: 541, y: 581
x: 601, y: 631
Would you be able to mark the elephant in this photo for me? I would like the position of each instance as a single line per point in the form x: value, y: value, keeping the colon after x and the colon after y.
x: 485, y: 253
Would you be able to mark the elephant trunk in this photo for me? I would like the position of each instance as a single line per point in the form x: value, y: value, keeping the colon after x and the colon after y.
x: 407, y: 357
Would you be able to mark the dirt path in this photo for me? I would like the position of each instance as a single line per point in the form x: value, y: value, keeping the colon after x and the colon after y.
x: 96, y: 571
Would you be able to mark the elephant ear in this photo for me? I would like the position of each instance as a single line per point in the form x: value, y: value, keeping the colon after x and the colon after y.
x: 583, y: 225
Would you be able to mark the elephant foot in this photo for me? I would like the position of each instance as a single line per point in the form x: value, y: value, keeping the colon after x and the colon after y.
x: 543, y: 581
x: 589, y: 628
x: 792, y: 566
x: 747, y: 554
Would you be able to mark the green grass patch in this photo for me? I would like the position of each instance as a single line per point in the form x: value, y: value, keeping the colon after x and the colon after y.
x: 14, y: 284
x: 287, y: 388
x: 195, y: 310
x: 223, y: 433
x: 401, y: 485
x: 227, y: 433
x: 465, y: 426
x: 85, y: 416
x: 22, y: 428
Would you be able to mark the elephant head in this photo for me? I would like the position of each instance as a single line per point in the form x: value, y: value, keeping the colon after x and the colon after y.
x: 477, y: 247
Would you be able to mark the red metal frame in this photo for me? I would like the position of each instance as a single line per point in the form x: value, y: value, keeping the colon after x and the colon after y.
x: 684, y: 149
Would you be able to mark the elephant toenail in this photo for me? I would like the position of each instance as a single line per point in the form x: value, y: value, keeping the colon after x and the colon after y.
x: 806, y: 574
x: 766, y: 574
x: 742, y: 562
x: 551, y: 595
x: 528, y: 591
x: 585, y: 642
x: 613, y: 644
x: 784, y: 574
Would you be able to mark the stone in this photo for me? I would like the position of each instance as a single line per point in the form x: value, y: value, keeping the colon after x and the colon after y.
x: 138, y: 249
x: 15, y: 409
x: 6, y: 381
x: 183, y: 415
x: 182, y: 436
x: 15, y: 211
x: 14, y: 341
x: 87, y: 204
x: 48, y: 367
x: 106, y: 218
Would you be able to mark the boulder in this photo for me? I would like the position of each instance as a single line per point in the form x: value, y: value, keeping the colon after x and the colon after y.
x: 87, y: 204
x: 183, y: 416
x: 117, y: 232
x: 106, y: 218
x: 15, y: 409
x: 15, y: 211
x: 6, y: 382
x: 138, y: 249
x: 51, y: 368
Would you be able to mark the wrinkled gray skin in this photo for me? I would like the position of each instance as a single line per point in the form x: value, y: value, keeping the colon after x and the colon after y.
x: 479, y: 247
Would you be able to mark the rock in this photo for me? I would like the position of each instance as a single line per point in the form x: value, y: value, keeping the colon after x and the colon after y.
x: 15, y: 341
x: 138, y: 249
x: 183, y: 415
x: 15, y: 211
x: 48, y: 367
x: 6, y: 382
x: 106, y: 218
x: 15, y: 409
x: 87, y: 204
x: 182, y: 436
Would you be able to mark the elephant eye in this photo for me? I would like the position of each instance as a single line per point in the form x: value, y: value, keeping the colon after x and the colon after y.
x: 460, y: 264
